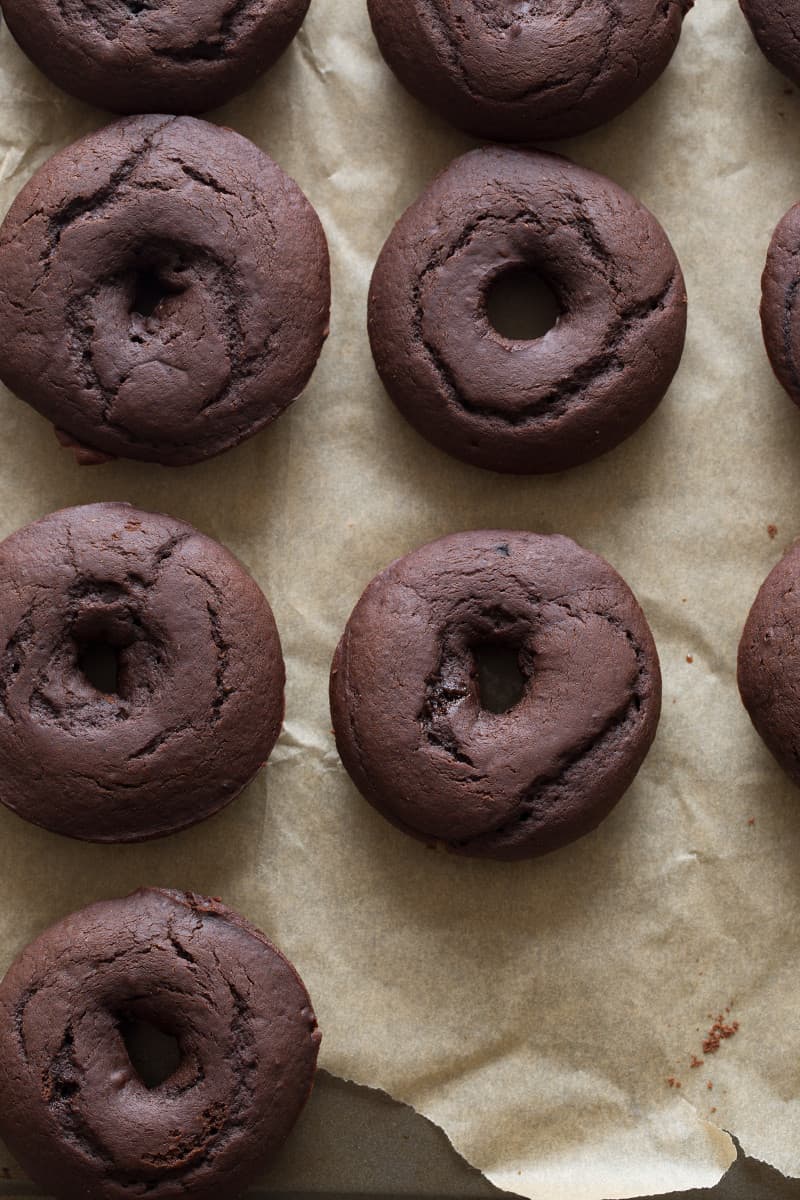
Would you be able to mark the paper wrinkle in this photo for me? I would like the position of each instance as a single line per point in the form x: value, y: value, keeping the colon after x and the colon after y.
x: 534, y: 1011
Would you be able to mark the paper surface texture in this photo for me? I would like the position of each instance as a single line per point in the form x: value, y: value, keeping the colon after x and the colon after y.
x: 535, y: 1011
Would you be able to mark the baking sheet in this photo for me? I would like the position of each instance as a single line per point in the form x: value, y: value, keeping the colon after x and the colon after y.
x: 535, y: 1011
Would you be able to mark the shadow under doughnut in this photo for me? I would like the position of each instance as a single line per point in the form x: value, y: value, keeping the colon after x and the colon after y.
x: 73, y: 1108
x: 547, y: 403
x: 164, y: 291
x: 140, y: 56
x: 425, y: 742
x: 141, y: 674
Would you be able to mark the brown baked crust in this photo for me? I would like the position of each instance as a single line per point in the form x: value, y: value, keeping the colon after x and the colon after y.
x: 527, y: 72
x: 164, y: 290
x: 556, y: 401
x: 780, y: 312
x: 138, y: 56
x: 769, y: 664
x: 776, y: 28
x: 73, y: 1110
x: 199, y: 699
x: 406, y: 708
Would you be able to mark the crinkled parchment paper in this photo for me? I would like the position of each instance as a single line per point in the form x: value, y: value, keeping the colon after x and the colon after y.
x: 535, y: 1011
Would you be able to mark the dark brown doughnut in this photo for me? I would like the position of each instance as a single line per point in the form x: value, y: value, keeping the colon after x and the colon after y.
x: 198, y: 701
x: 75, y: 1112
x: 780, y: 307
x: 769, y: 663
x: 135, y: 56
x: 555, y: 401
x: 411, y: 726
x: 776, y: 28
x: 164, y: 291
x: 526, y: 71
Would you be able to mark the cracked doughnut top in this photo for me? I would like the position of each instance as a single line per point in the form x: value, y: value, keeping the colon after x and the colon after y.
x: 134, y: 56
x: 164, y: 291
x: 141, y: 674
x: 75, y: 1111
x: 555, y: 401
x: 769, y: 664
x: 776, y: 28
x: 780, y: 311
x: 526, y: 70
x: 421, y: 733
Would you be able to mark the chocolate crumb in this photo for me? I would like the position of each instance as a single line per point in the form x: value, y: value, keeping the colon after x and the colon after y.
x: 719, y: 1032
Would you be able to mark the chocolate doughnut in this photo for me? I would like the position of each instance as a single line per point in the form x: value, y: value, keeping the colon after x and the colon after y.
x: 74, y: 1110
x: 164, y: 291
x: 135, y: 56
x: 141, y: 675
x: 551, y: 402
x: 776, y: 28
x: 413, y: 725
x: 769, y: 665
x: 526, y: 71
x: 780, y: 313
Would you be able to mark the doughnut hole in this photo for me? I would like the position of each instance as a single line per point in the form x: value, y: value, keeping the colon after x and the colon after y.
x: 153, y: 1049
x: 114, y: 652
x: 155, y: 277
x: 521, y: 305
x: 99, y: 663
x: 501, y: 681
x: 148, y: 292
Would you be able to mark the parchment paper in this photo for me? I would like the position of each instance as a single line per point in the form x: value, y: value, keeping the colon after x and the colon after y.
x: 535, y: 1011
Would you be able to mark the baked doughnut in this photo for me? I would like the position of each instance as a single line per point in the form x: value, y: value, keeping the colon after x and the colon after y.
x: 551, y: 402
x: 164, y: 291
x: 780, y: 313
x: 412, y: 723
x: 135, y: 56
x: 75, y: 1111
x: 776, y: 28
x: 769, y: 665
x: 141, y: 675
x: 522, y: 72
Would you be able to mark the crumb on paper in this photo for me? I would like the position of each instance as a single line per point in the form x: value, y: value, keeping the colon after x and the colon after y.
x: 751, y: 820
x: 710, y: 1085
x: 690, y: 658
x: 673, y: 1082
x: 719, y: 1032
x: 696, y: 1062
x: 712, y: 1111
x: 772, y: 530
